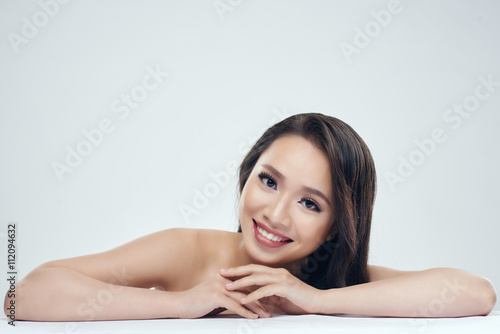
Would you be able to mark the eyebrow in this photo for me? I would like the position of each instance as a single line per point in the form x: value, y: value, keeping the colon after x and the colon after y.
x: 308, y: 189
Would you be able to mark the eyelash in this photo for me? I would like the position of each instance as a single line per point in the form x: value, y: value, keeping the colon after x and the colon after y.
x: 316, y: 207
x: 264, y: 175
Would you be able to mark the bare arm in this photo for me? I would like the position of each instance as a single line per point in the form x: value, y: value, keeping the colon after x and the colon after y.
x: 116, y: 284
x: 109, y: 285
x: 62, y: 294
x: 439, y: 292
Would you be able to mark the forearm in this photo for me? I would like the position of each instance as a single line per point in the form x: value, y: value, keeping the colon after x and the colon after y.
x: 60, y: 294
x: 440, y: 292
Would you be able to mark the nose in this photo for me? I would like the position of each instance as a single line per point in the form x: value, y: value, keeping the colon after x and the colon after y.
x: 277, y: 211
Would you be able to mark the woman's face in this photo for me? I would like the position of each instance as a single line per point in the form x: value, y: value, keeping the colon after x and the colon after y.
x: 285, y: 207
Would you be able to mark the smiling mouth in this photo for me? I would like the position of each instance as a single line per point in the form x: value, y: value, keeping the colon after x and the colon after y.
x: 268, y: 238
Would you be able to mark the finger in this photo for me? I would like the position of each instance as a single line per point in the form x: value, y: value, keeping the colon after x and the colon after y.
x: 260, y: 309
x: 263, y: 292
x: 271, y: 301
x: 232, y: 305
x: 256, y: 307
x: 254, y: 279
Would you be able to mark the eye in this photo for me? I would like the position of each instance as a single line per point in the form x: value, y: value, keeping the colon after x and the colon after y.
x: 310, y: 204
x: 268, y: 180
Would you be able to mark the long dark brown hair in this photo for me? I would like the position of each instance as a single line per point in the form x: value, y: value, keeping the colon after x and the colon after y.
x: 342, y: 260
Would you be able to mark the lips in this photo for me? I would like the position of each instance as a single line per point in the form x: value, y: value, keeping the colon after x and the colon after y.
x: 268, y: 237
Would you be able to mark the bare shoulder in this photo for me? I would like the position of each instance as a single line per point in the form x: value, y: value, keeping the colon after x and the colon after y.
x: 378, y: 273
x: 154, y: 260
x: 198, y: 254
x: 215, y: 244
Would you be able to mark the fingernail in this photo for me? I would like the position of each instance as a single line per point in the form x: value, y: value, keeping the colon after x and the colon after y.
x: 228, y: 285
x: 223, y: 270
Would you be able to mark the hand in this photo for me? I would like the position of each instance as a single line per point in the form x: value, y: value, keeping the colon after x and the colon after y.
x: 211, y: 297
x: 276, y: 286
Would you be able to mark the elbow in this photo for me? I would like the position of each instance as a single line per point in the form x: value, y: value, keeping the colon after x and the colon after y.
x: 474, y: 295
x: 9, y: 307
x: 487, y: 297
x: 13, y: 297
x: 481, y: 298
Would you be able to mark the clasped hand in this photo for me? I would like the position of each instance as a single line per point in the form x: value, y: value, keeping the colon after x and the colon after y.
x: 273, y: 286
x: 246, y: 291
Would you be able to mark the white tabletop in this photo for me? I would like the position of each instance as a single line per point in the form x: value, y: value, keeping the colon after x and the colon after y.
x: 277, y: 324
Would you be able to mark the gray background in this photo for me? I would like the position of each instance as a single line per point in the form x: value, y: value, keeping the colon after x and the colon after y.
x: 232, y: 71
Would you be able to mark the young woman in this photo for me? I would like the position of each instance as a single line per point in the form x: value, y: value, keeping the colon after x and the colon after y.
x: 307, y: 189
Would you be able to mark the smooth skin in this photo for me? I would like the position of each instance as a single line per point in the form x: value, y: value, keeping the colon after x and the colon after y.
x: 196, y: 272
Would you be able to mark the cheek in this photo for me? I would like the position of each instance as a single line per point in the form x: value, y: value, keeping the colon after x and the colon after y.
x: 251, y: 199
x: 316, y: 231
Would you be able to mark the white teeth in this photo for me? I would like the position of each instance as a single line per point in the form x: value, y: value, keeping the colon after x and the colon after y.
x: 269, y: 236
